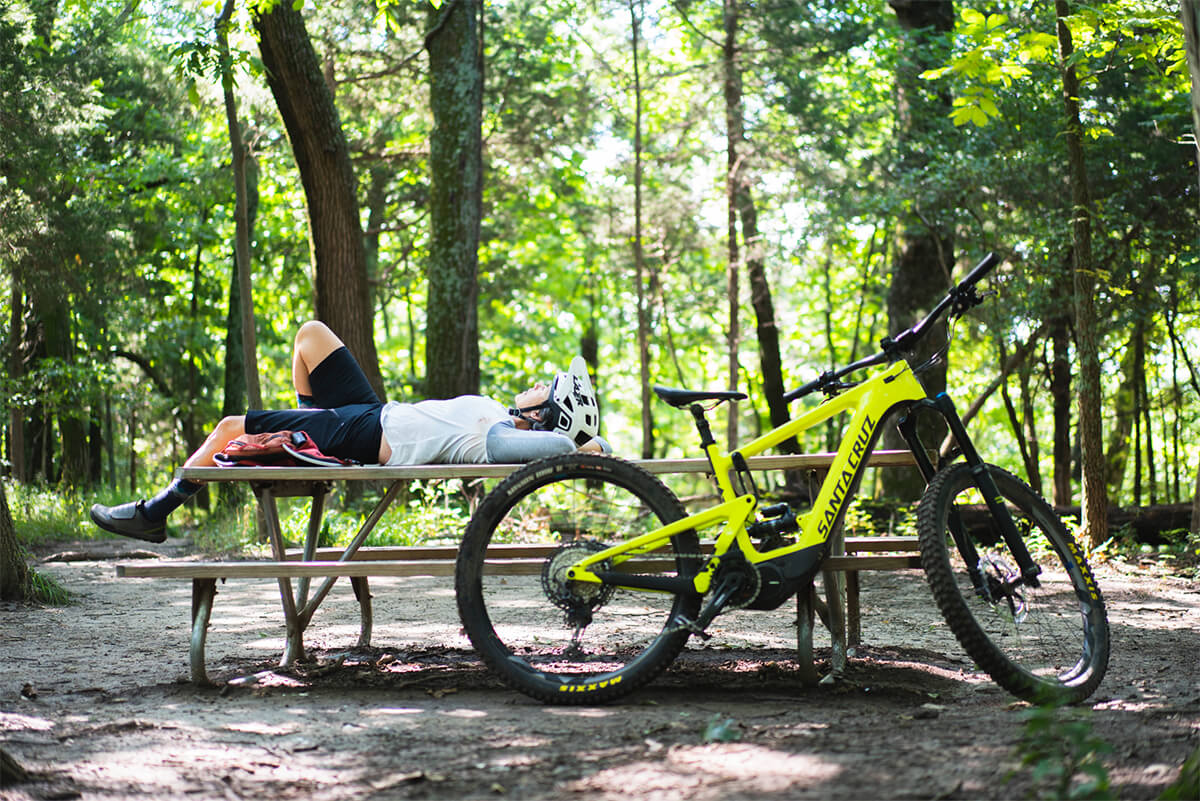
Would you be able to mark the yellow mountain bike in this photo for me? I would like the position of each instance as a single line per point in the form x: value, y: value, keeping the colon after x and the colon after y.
x: 625, y: 580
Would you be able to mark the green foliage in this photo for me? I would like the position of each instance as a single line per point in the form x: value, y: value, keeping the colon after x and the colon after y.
x: 45, y: 590
x: 43, y: 515
x: 427, y: 513
x: 433, y: 512
x: 1187, y: 786
x: 993, y: 58
x: 1063, y: 754
x: 115, y: 192
x: 722, y: 730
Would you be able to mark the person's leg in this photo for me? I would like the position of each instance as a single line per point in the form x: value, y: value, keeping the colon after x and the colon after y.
x: 314, y: 342
x: 229, y: 429
x: 146, y: 519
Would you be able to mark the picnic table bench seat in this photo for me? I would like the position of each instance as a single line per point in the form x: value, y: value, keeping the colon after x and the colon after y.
x: 849, y: 555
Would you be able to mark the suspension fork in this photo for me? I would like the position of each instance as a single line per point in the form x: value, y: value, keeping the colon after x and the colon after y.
x: 942, y: 404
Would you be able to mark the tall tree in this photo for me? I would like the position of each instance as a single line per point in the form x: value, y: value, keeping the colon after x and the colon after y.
x: 733, y: 167
x: 742, y: 210
x: 1059, y: 371
x: 639, y: 257
x: 310, y: 116
x: 454, y: 44
x: 247, y: 341
x: 924, y: 248
x: 1190, y: 11
x: 1094, y: 502
x: 14, y: 573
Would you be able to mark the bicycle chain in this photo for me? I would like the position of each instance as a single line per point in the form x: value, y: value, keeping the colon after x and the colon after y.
x: 690, y: 625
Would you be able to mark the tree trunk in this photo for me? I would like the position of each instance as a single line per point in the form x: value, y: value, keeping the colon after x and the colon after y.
x: 1060, y: 394
x: 733, y: 136
x: 1027, y: 449
x: 1094, y: 500
x: 742, y: 202
x: 1122, y: 414
x: 16, y: 369
x: 322, y: 156
x: 69, y: 466
x: 1031, y: 436
x: 1151, y: 472
x: 456, y: 200
x: 243, y: 230
x: 924, y: 255
x: 1189, y: 10
x: 14, y: 573
x: 639, y: 256
x: 1194, y: 380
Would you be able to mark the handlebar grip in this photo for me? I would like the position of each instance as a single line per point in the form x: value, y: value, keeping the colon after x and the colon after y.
x: 800, y: 392
x: 983, y: 268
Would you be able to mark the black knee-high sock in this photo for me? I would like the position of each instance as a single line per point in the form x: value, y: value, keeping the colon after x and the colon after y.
x: 170, y: 499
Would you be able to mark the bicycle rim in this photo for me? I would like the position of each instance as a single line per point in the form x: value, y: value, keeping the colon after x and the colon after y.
x: 554, y: 639
x: 1048, y: 643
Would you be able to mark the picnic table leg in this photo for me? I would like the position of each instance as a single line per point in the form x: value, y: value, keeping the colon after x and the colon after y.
x: 363, y: 593
x: 204, y: 590
x: 835, y: 621
x: 293, y: 651
x: 806, y: 602
x: 359, y: 538
x: 835, y: 586
x: 853, y: 610
x: 311, y: 538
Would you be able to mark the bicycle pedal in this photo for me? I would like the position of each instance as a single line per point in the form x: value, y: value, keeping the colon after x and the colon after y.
x: 691, y: 626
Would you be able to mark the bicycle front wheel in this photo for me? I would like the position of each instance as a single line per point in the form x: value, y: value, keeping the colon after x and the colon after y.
x: 565, y: 641
x: 1044, y: 643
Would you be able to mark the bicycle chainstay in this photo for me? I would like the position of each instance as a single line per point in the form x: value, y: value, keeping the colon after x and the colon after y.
x: 739, y: 601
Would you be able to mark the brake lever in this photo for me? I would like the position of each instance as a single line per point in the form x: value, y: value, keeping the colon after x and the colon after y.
x: 966, y: 298
x: 837, y: 387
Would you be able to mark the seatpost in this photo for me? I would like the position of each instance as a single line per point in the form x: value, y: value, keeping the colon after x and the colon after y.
x: 702, y: 427
x: 707, y: 441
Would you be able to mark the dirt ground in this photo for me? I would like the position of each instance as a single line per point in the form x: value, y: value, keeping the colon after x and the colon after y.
x: 94, y: 699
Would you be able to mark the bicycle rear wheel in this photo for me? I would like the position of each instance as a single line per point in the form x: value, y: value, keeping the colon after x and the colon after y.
x: 1048, y: 643
x: 565, y: 641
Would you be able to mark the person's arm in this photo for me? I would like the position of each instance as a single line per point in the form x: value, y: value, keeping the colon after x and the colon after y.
x: 596, y: 445
x: 507, y: 444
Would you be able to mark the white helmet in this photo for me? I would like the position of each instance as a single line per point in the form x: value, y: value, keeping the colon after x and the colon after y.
x: 570, y: 408
x: 573, y: 410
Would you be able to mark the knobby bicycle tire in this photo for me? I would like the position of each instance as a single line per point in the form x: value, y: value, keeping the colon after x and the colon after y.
x: 563, y: 641
x: 1048, y: 644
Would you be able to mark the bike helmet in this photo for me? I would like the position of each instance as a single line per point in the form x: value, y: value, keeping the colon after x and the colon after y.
x: 570, y: 408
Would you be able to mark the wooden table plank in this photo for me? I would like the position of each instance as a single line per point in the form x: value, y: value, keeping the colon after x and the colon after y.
x: 811, y: 461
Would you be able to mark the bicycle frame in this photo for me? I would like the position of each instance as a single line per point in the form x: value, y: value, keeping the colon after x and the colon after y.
x: 871, y: 401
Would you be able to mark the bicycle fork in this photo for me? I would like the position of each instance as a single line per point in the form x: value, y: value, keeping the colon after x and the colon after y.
x: 942, y: 405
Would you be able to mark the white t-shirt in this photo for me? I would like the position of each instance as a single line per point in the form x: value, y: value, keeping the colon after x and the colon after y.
x: 452, y: 431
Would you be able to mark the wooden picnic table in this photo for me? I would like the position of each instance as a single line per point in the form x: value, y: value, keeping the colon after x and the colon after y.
x: 300, y: 602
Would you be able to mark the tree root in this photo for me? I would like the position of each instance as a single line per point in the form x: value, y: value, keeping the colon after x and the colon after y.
x: 10, y: 771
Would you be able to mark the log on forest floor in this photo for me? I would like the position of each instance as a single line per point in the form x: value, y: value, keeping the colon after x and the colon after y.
x: 1146, y: 524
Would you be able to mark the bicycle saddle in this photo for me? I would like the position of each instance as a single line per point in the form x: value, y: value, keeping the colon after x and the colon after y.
x: 682, y: 397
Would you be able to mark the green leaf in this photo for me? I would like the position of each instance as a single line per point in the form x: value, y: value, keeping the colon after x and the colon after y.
x: 722, y: 731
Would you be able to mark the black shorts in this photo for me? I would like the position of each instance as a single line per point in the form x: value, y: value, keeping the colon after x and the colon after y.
x: 345, y: 422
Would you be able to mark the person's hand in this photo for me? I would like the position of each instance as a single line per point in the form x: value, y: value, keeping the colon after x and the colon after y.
x: 595, y: 445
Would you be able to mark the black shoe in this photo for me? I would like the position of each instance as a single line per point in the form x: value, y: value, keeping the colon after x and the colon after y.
x: 129, y: 520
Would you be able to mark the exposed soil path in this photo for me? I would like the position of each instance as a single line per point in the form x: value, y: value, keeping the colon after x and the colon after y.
x: 94, y: 699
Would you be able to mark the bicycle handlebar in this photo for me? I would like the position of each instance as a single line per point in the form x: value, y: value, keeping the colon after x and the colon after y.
x: 960, y: 298
x: 983, y: 268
